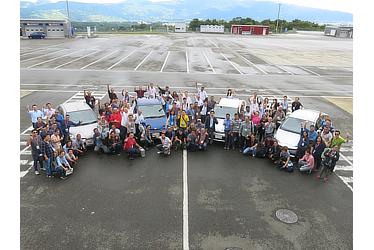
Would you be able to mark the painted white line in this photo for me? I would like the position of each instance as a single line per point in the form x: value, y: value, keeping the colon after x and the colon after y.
x: 26, y: 151
x: 188, y: 68
x: 24, y: 173
x: 231, y: 63
x: 23, y: 143
x: 121, y: 60
x: 100, y: 59
x: 76, y: 59
x: 166, y: 59
x: 308, y: 70
x: 145, y: 58
x: 43, y: 48
x: 52, y: 59
x: 346, y: 149
x: 346, y: 180
x: 23, y: 162
x: 32, y: 58
x: 29, y: 129
x: 206, y: 58
x: 343, y: 168
x: 34, y: 51
x: 346, y: 159
x: 213, y: 43
x: 280, y: 67
x: 252, y: 64
x: 186, y: 245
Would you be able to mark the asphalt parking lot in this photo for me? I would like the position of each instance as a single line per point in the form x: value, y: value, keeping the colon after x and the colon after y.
x: 113, y: 203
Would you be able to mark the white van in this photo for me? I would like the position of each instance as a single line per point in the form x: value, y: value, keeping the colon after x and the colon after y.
x: 226, y: 106
x: 80, y: 111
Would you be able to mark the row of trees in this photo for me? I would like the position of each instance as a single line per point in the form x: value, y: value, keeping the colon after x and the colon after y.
x: 297, y: 24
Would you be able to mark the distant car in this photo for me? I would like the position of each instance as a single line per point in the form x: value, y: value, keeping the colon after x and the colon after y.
x: 37, y: 35
x: 153, y: 113
x: 288, y: 134
x: 226, y: 105
x: 80, y: 111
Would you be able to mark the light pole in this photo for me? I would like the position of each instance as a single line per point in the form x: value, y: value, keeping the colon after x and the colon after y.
x: 69, y: 25
x: 276, y: 28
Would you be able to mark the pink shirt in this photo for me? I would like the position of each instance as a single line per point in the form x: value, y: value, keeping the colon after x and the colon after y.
x: 309, y: 159
x: 256, y: 119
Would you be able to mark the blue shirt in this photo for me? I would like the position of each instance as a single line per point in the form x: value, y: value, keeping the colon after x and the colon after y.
x: 35, y: 114
x: 227, y: 124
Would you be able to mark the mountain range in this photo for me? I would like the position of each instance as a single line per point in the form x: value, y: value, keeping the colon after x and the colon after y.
x: 177, y: 11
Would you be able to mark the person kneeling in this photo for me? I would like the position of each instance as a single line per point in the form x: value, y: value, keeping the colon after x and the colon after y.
x: 165, y: 146
x: 203, y: 140
x: 250, y: 145
x: 62, y: 165
x: 192, y: 141
x: 132, y: 147
x: 306, y: 163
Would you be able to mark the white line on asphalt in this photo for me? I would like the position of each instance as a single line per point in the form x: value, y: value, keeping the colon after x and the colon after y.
x: 252, y: 64
x: 121, y: 60
x: 213, y: 43
x: 23, y: 162
x: 347, y: 180
x: 188, y: 68
x: 166, y: 59
x: 343, y: 168
x: 289, y: 72
x: 308, y: 70
x: 145, y: 58
x: 76, y: 59
x: 231, y: 63
x: 32, y: 58
x: 209, y: 62
x: 23, y: 143
x: 186, y: 245
x: 43, y: 48
x: 52, y: 59
x: 24, y: 173
x: 26, y: 130
x: 111, y: 53
x: 34, y: 51
x: 346, y: 159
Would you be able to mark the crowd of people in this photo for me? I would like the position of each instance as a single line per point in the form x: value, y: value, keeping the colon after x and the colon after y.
x: 191, y: 124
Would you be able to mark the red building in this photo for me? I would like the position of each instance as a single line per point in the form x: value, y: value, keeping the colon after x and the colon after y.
x: 250, y: 29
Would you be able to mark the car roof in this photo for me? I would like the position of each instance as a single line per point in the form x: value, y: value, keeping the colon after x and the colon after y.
x: 75, y: 106
x: 145, y: 101
x: 305, y: 114
x: 230, y: 102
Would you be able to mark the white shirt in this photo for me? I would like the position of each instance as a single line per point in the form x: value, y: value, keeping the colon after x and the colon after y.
x: 124, y: 119
x: 48, y: 112
x: 203, y: 95
x: 204, y: 110
x: 253, y: 107
x: 166, y: 142
x: 152, y: 92
x: 200, y: 102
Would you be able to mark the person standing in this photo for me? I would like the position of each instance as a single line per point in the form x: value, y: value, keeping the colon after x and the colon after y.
x: 296, y: 104
x: 284, y: 105
x: 329, y: 158
x: 112, y: 95
x: 337, y: 140
x: 34, y: 114
x: 90, y: 99
x: 48, y: 111
x: 35, y: 141
x: 152, y: 92
x: 227, y: 123
x: 46, y: 150
x: 246, y: 129
x: 202, y: 94
x: 210, y: 125
x: 318, y: 149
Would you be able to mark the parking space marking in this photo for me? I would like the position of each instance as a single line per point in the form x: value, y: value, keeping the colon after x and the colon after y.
x: 166, y: 59
x: 285, y: 70
x: 34, y: 51
x: 121, y: 60
x: 346, y: 159
x: 213, y: 43
x: 32, y: 58
x: 144, y: 59
x: 346, y: 181
x: 252, y: 64
x: 54, y: 45
x: 186, y: 245
x: 308, y: 70
x: 53, y: 59
x: 206, y: 58
x: 188, y: 68
x: 231, y: 63
x: 100, y: 59
x: 77, y: 59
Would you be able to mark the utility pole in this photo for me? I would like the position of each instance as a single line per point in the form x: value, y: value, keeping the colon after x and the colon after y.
x: 276, y: 28
x: 69, y: 24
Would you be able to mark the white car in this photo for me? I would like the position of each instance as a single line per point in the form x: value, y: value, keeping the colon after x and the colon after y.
x: 288, y: 134
x: 80, y: 111
x: 226, y: 106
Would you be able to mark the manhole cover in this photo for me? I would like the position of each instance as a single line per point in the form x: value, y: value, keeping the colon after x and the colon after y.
x: 286, y: 216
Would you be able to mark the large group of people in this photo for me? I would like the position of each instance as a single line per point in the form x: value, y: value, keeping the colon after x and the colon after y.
x: 191, y: 125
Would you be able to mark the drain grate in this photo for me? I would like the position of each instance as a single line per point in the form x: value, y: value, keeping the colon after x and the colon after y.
x: 286, y: 216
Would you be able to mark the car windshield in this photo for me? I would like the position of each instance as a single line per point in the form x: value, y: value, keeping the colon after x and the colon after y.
x: 221, y: 111
x: 85, y: 116
x: 152, y: 111
x: 294, y: 125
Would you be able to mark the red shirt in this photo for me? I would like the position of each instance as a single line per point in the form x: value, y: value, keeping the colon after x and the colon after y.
x: 115, y: 118
x: 129, y: 144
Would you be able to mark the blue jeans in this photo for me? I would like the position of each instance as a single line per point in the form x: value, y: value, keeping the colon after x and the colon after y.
x: 133, y: 152
x: 48, y: 167
x: 248, y: 151
x: 60, y: 171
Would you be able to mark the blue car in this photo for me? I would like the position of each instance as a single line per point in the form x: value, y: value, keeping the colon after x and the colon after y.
x: 153, y: 113
x: 37, y: 35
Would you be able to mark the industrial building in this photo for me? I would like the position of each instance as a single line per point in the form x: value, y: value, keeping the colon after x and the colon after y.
x: 212, y: 29
x: 180, y: 27
x: 51, y: 28
x: 250, y: 29
x: 339, y: 31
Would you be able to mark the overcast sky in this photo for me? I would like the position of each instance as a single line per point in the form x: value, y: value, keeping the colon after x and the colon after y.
x: 338, y: 5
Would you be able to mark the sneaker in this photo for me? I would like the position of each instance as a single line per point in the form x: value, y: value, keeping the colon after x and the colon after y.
x: 49, y: 176
x: 132, y: 158
x: 159, y: 152
x: 62, y: 178
x: 43, y: 169
x: 37, y: 172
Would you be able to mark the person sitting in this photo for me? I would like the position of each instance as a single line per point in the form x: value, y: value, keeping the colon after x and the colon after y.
x: 179, y: 139
x: 114, y: 144
x: 284, y: 158
x: 165, y: 146
x: 71, y: 158
x: 146, y: 140
x: 98, y: 141
x: 170, y: 133
x: 329, y: 158
x: 62, y: 167
x: 131, y: 146
x: 203, y: 139
x: 274, y: 152
x: 79, y: 144
x: 192, y: 141
x: 250, y: 145
x: 306, y: 163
